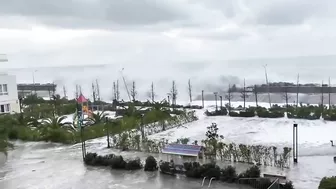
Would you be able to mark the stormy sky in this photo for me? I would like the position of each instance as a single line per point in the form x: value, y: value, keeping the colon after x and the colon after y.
x: 75, y: 32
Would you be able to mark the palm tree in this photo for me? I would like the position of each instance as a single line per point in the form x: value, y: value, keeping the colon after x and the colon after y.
x: 4, y: 143
x: 98, y: 117
x: 26, y: 120
x: 130, y: 110
x: 55, y: 123
x: 160, y: 113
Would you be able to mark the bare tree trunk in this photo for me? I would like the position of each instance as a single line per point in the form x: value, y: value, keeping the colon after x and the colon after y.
x: 174, y: 94
x: 190, y: 91
x: 297, y: 90
x: 94, y: 93
x: 133, y: 91
x: 114, y: 91
x: 64, y: 93
x: 244, y: 94
x: 268, y: 88
x: 152, y: 93
x: 322, y: 97
x: 329, y: 94
x: 286, y: 97
x: 229, y: 97
x: 97, y: 90
x: 256, y: 95
x: 203, y: 98
x: 215, y: 93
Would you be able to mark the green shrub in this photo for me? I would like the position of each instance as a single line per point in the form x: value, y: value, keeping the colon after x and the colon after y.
x: 229, y: 174
x: 328, y: 183
x: 151, y: 164
x: 288, y: 185
x: 270, y: 114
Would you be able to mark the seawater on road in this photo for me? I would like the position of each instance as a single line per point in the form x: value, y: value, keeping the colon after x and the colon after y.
x: 46, y: 165
x: 42, y: 165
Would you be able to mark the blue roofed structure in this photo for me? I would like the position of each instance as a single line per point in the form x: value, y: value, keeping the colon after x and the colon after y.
x: 182, y: 150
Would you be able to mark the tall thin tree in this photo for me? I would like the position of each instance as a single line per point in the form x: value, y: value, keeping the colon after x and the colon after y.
x: 322, y: 94
x: 244, y: 94
x: 114, y: 91
x: 329, y: 93
x: 285, y: 96
x: 202, y: 98
x: 152, y: 92
x: 133, y: 91
x: 173, y: 93
x: 94, y: 95
x: 297, y: 90
x: 255, y: 91
x: 65, y: 93
x: 229, y: 96
x: 97, y: 90
x: 216, y: 95
x: 190, y: 91
x: 117, y: 91
x: 268, y: 87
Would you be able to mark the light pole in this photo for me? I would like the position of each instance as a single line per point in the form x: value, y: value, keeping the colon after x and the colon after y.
x: 268, y: 87
x: 34, y: 86
x: 107, y: 132
x: 216, y: 93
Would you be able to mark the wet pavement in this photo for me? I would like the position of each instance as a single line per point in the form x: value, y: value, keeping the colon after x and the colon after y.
x: 46, y: 165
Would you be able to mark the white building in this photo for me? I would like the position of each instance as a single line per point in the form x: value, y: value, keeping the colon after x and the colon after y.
x: 9, y: 102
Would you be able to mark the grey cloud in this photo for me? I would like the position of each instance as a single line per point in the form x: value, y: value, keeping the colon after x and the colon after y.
x: 215, y: 34
x: 227, y: 7
x: 95, y: 13
x: 287, y: 12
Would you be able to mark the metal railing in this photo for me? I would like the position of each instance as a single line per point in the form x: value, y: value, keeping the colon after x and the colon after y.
x: 275, y: 184
x: 212, y: 178
x: 203, y: 181
x: 253, y: 182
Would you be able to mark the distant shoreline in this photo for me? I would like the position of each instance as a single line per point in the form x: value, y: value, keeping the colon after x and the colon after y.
x: 275, y: 98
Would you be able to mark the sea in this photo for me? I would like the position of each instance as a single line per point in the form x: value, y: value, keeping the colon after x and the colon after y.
x: 209, y: 76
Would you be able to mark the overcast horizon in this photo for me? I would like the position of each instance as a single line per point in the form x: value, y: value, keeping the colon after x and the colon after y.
x: 44, y: 33
x: 212, y: 42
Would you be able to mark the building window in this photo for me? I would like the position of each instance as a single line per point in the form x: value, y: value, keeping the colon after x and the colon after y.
x: 3, y: 89
x: 7, y: 108
x: 4, y: 108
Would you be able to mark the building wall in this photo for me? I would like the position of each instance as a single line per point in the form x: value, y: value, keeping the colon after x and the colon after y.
x: 12, y: 97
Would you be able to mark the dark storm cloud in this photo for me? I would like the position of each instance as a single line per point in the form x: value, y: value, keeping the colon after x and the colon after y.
x: 92, y: 13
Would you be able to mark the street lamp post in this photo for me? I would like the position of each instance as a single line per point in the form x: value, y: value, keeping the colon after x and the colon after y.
x: 34, y: 85
x: 107, y: 132
x: 216, y: 93
x: 268, y: 87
